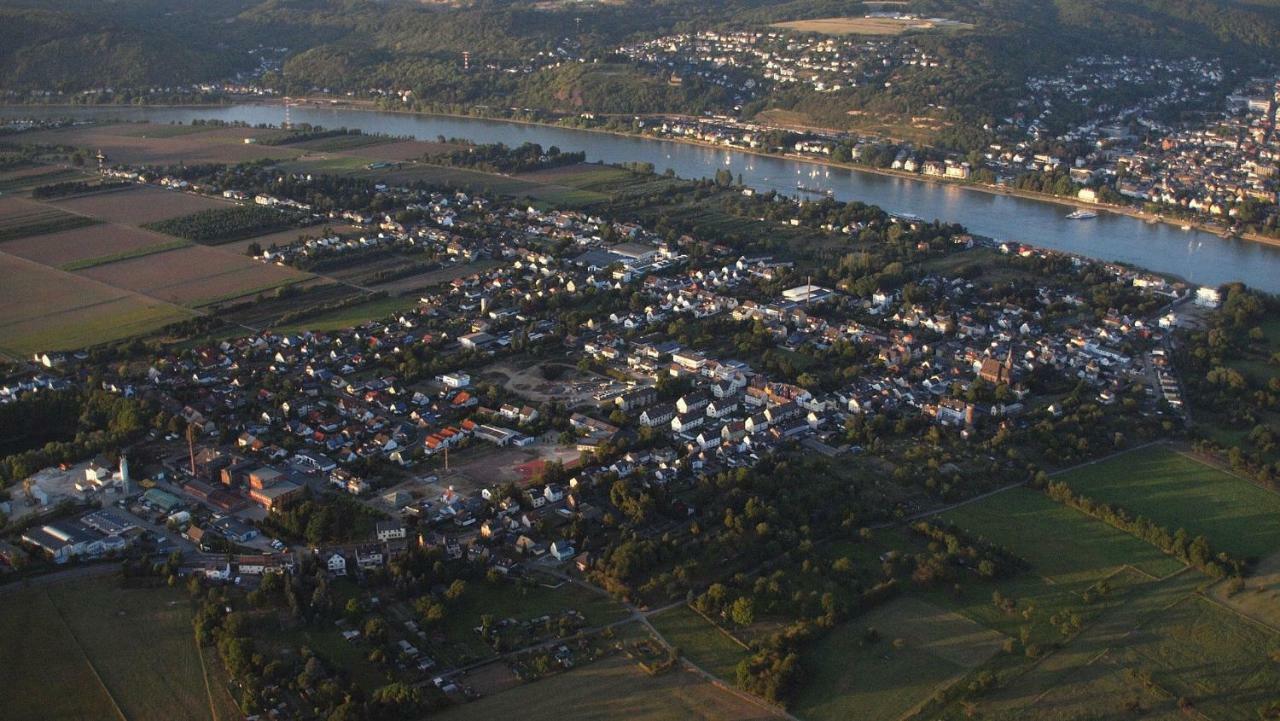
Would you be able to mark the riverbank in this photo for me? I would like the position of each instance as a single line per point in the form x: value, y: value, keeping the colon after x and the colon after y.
x: 1071, y: 203
x: 1203, y: 258
x: 371, y: 106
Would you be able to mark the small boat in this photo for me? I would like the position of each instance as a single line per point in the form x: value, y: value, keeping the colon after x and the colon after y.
x: 1082, y: 215
x: 1186, y: 226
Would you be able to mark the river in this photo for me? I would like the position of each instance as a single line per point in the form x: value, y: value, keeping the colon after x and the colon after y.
x: 1199, y: 257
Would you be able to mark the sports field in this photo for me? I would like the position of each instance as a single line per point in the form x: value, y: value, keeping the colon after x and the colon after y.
x: 1180, y: 492
x: 89, y: 650
x: 613, y: 688
x: 921, y: 649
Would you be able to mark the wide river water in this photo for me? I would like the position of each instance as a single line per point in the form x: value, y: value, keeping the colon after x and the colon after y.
x: 1198, y: 257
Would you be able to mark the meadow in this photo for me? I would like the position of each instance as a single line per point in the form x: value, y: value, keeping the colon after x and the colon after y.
x: 700, y: 641
x: 609, y: 689
x: 919, y: 649
x: 1060, y: 543
x: 88, y: 649
x: 1178, y: 491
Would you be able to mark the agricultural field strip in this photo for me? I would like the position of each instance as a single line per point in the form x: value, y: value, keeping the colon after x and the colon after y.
x: 125, y: 255
x: 515, y: 185
x: 84, y: 654
x: 162, y: 246
x: 81, y: 279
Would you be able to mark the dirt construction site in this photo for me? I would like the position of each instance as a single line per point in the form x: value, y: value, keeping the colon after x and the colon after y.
x: 552, y: 381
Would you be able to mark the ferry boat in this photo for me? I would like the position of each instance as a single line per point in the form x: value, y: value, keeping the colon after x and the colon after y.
x: 1082, y: 215
x: 814, y: 191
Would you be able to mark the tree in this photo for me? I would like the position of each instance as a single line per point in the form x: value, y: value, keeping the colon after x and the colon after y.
x: 743, y: 611
x: 375, y: 629
x: 455, y: 590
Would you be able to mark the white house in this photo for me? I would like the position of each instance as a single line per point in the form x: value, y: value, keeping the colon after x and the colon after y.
x: 561, y: 550
x: 389, y: 531
x: 337, y: 564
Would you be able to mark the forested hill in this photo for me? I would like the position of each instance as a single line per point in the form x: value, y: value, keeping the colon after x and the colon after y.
x: 341, y: 45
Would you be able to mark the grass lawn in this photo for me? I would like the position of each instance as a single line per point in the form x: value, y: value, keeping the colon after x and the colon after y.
x: 1180, y: 492
x: 80, y: 649
x: 922, y: 649
x: 700, y: 641
x: 1061, y: 544
x: 613, y: 688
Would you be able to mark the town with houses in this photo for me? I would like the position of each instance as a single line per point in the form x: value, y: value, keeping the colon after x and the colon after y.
x: 265, y: 420
x: 1101, y: 131
x: 410, y: 420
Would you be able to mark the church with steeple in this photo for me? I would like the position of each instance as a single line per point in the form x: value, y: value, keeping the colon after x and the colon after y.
x: 997, y: 372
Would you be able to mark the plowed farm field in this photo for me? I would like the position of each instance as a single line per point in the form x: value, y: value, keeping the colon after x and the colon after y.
x: 194, y: 276
x: 139, y: 205
x: 83, y: 245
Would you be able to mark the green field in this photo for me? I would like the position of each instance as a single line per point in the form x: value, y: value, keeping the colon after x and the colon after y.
x: 585, y: 176
x: 1061, y: 544
x: 700, y: 641
x: 1189, y: 646
x: 103, y: 322
x: 608, y: 690
x: 922, y: 648
x: 351, y: 315
x: 1148, y: 639
x: 576, y: 191
x: 1179, y: 492
x: 91, y: 650
x: 519, y: 602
